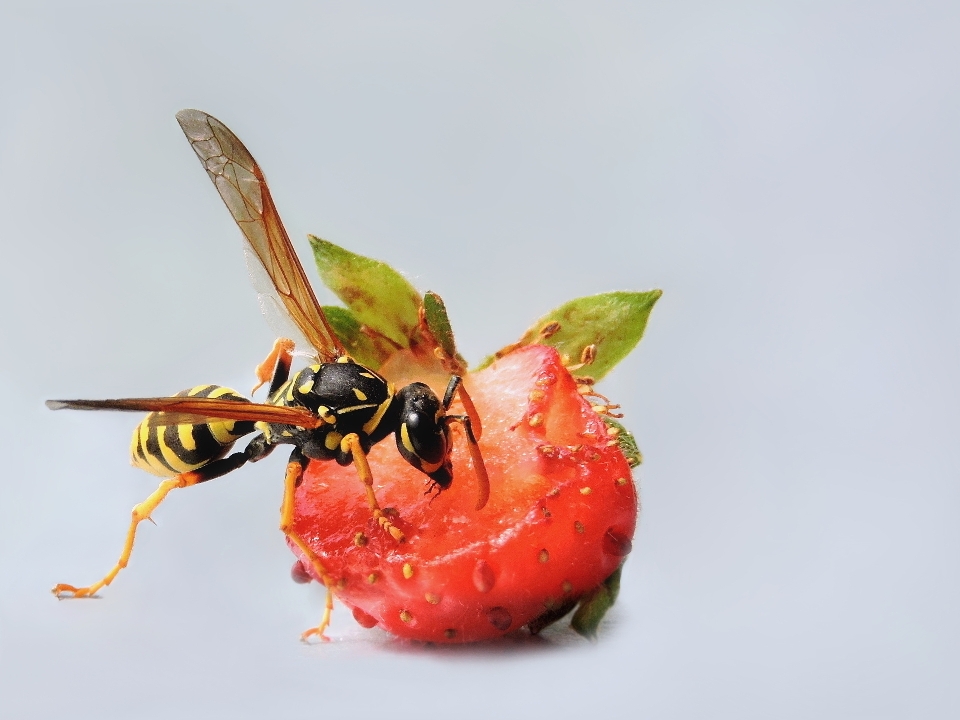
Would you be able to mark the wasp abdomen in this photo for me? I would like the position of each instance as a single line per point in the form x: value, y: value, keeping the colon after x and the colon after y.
x: 168, y: 450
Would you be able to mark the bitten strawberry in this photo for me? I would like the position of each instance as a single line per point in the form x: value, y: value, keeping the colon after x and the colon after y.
x: 562, y: 508
x: 560, y: 518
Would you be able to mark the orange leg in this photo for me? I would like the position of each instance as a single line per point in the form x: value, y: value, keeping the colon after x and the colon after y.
x: 254, y: 451
x: 471, y: 423
x: 324, y: 621
x: 290, y: 481
x: 476, y: 429
x: 275, y: 369
x: 455, y: 387
x: 476, y: 459
x: 351, y: 444
x: 140, y: 512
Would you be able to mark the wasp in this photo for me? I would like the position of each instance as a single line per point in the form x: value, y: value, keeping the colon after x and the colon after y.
x: 333, y: 409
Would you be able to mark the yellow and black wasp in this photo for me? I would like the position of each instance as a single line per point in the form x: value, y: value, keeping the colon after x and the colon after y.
x: 334, y: 409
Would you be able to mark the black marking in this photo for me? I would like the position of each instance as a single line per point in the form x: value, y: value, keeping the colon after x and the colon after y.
x: 205, y: 449
x: 153, y: 449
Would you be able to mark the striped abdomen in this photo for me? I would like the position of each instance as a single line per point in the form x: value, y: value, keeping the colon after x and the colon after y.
x: 168, y: 450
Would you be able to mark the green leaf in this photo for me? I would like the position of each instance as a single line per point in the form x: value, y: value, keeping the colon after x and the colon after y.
x: 626, y: 442
x: 438, y: 323
x: 595, y: 604
x: 614, y: 322
x: 379, y: 296
x: 366, y: 350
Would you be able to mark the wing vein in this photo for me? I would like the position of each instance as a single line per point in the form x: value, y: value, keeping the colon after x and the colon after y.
x: 243, y: 188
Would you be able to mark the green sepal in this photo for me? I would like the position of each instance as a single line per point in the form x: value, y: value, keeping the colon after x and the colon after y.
x: 614, y: 322
x: 379, y: 296
x: 626, y: 442
x: 438, y: 324
x: 366, y: 350
x: 594, y: 605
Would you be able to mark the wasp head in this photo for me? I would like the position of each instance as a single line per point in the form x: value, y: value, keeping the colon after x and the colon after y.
x: 423, y: 435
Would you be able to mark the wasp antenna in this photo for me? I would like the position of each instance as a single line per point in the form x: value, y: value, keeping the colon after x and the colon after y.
x: 56, y: 404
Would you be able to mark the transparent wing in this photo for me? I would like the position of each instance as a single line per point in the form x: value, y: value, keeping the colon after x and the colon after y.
x: 244, y: 190
x: 194, y: 410
x: 271, y: 306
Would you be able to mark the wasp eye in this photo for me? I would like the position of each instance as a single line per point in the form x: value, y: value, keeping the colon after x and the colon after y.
x: 423, y: 438
x: 422, y: 434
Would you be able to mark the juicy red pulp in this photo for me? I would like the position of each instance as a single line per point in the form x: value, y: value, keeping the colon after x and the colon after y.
x: 561, y: 514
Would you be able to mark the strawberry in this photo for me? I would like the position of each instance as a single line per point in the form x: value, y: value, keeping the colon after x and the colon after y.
x: 560, y: 519
x: 563, y: 506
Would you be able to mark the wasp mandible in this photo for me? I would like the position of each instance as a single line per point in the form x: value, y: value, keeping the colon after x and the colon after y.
x: 333, y: 409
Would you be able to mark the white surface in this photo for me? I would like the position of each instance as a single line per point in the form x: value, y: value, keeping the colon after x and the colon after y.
x: 786, y: 172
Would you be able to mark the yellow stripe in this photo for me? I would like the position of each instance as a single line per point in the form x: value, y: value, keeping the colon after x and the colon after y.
x: 147, y: 461
x: 222, y: 431
x: 265, y: 429
x: 136, y: 454
x: 332, y: 440
x: 360, y: 394
x: 405, y: 439
x: 150, y: 464
x: 372, y: 423
x: 354, y: 408
x: 185, y: 433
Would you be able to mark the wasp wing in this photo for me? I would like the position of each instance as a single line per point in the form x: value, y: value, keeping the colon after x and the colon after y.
x: 244, y: 190
x: 195, y: 410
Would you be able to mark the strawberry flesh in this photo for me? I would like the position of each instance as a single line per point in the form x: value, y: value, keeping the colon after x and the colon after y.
x: 560, y: 518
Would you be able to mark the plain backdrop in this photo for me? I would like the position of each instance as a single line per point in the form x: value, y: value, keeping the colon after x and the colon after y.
x: 787, y: 172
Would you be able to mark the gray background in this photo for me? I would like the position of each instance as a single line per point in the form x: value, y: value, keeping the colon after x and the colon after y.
x: 785, y: 171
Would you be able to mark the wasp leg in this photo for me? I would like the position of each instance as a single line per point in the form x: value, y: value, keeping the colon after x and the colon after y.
x: 351, y: 444
x: 324, y: 621
x: 455, y: 387
x: 291, y: 481
x: 276, y: 367
x: 253, y: 452
x: 471, y: 422
x: 476, y: 458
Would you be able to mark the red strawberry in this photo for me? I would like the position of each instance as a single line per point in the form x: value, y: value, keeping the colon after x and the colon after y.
x: 560, y: 518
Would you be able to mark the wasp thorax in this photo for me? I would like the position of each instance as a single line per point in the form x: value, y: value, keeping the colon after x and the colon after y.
x: 422, y: 435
